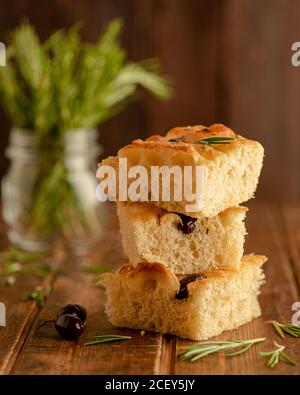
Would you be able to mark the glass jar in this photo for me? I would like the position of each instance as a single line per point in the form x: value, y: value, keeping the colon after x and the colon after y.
x: 49, y: 190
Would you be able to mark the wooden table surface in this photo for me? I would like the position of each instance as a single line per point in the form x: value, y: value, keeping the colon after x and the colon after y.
x: 273, y: 230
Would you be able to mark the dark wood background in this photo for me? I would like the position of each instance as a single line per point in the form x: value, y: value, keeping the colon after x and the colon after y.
x: 229, y: 61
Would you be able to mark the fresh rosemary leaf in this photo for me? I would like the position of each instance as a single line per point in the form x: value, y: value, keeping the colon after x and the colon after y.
x: 42, y: 271
x: 276, y: 355
x: 11, y: 268
x: 288, y: 359
x: 215, y: 140
x: 16, y: 261
x: 13, y: 254
x: 95, y: 269
x: 107, y: 338
x: 293, y: 330
x: 278, y: 329
x: 241, y: 351
x: 40, y: 295
x: 200, y: 350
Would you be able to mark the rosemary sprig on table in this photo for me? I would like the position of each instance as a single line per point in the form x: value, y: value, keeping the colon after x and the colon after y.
x: 200, y: 350
x: 16, y: 261
x: 293, y: 330
x: 40, y: 295
x: 276, y: 355
x: 39, y: 270
x: 13, y: 254
x: 107, y: 338
x: 95, y: 270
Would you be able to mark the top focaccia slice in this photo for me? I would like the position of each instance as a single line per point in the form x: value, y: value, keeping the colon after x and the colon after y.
x: 231, y: 167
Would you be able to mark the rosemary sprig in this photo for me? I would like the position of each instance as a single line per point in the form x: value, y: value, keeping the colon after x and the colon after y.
x: 13, y: 254
x: 17, y: 261
x: 207, y: 141
x: 293, y: 330
x: 63, y: 84
x: 40, y: 295
x: 215, y: 140
x: 97, y: 269
x: 276, y: 355
x: 200, y: 350
x: 38, y: 270
x: 107, y: 338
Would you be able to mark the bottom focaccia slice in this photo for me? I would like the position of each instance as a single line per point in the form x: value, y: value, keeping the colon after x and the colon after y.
x: 149, y: 296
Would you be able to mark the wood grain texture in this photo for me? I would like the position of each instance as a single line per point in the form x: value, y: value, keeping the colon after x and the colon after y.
x: 46, y: 352
x: 291, y: 223
x: 183, y: 34
x: 20, y: 315
x: 272, y: 230
x: 260, y: 87
x: 265, y: 236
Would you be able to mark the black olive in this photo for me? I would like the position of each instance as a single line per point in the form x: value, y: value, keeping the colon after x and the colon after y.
x: 76, y: 309
x: 69, y: 321
x: 175, y: 140
x: 187, y: 224
x: 69, y: 326
x: 183, y: 292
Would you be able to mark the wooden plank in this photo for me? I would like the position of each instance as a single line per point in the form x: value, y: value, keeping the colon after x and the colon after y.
x: 47, y: 352
x: 168, y: 352
x: 291, y: 222
x: 183, y: 35
x: 265, y: 236
x: 20, y: 315
x: 258, y: 85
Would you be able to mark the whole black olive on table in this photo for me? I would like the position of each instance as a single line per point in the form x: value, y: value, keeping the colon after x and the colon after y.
x: 69, y: 326
x: 77, y: 309
x: 69, y: 321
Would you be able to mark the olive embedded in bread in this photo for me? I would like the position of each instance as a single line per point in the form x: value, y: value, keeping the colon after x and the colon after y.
x: 187, y: 224
x: 183, y: 292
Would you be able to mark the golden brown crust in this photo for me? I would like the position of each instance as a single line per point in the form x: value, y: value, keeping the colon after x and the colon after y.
x: 145, y: 209
x: 144, y: 267
x: 153, y: 269
x: 231, y: 171
x: 198, y: 132
x: 188, y: 136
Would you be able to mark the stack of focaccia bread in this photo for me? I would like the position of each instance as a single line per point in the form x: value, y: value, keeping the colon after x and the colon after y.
x: 186, y: 273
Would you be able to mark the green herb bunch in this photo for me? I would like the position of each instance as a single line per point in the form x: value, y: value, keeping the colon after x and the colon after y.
x: 62, y: 84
